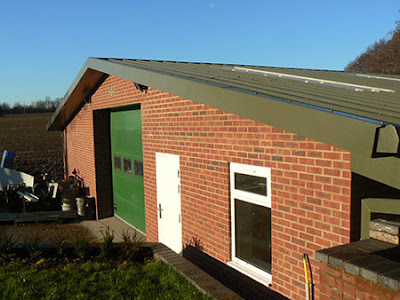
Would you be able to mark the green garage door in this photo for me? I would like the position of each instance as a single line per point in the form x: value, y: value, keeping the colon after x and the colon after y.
x: 127, y: 166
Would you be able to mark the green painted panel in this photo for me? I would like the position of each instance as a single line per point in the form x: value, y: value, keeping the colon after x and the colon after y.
x: 127, y: 163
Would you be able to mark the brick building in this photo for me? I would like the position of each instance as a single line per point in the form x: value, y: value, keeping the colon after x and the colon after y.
x: 255, y: 165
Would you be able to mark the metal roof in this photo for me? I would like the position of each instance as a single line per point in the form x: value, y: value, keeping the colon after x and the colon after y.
x: 379, y: 106
x: 343, y: 109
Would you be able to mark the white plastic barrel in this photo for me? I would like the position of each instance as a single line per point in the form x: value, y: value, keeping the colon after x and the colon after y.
x: 80, y: 205
x: 68, y: 204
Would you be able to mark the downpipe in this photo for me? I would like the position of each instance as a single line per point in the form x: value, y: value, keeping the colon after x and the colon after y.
x: 309, y: 284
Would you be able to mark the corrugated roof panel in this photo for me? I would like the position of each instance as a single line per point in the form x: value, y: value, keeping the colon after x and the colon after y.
x: 380, y: 106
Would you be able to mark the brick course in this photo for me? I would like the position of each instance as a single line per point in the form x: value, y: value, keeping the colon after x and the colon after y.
x: 338, y: 284
x: 311, y: 181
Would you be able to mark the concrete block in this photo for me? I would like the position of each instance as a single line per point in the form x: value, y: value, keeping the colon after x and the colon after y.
x: 390, y: 279
x: 372, y: 272
x: 354, y: 265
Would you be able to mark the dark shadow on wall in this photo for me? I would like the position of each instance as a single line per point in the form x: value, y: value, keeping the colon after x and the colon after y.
x: 361, y: 188
x: 65, y: 153
x: 234, y: 280
x: 102, y: 154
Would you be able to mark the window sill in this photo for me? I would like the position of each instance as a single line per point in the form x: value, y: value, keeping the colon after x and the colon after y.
x: 257, y: 276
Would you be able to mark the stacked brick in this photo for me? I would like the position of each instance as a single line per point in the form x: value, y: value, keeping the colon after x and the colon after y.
x: 311, y: 181
x: 337, y: 284
x: 384, y: 230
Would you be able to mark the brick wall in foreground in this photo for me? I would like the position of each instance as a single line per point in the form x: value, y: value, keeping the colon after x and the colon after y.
x: 310, y: 180
x: 336, y: 284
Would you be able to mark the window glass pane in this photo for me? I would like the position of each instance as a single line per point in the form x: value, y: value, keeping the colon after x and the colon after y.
x: 251, y: 184
x: 138, y: 168
x: 253, y: 234
x: 127, y: 165
x: 117, y: 163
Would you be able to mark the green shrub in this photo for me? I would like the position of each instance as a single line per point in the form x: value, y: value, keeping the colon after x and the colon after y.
x: 81, y: 246
x: 106, y: 243
x: 134, y: 239
x: 194, y: 242
x: 60, y: 240
x: 6, y: 243
x: 131, y: 244
x: 32, y: 241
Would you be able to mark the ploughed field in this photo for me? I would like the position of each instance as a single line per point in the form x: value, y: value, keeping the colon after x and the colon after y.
x: 36, y: 148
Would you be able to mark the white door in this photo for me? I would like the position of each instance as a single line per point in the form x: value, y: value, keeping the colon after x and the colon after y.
x: 169, y: 201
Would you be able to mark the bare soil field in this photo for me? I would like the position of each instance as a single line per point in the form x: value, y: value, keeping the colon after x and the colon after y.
x: 36, y: 148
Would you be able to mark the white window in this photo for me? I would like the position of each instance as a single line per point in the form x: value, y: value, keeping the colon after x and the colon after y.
x: 251, y: 220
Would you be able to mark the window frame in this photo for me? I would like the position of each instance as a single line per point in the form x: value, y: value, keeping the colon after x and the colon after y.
x: 127, y: 169
x: 138, y: 167
x: 375, y: 205
x: 117, y: 165
x: 242, y: 266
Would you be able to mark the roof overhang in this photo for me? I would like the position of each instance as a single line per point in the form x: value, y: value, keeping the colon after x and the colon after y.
x: 84, y: 86
x: 358, y: 136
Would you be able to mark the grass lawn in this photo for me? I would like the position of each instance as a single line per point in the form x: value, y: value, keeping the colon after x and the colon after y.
x: 154, y: 280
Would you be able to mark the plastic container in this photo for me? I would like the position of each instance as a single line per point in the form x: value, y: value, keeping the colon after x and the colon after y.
x: 90, y: 208
x: 80, y: 206
x: 68, y: 203
x: 7, y: 161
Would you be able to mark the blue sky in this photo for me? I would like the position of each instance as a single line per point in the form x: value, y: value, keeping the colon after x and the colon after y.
x: 43, y: 44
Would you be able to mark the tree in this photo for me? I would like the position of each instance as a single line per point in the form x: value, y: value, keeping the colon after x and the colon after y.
x: 5, y: 106
x: 47, y: 105
x: 18, y: 108
x: 381, y: 57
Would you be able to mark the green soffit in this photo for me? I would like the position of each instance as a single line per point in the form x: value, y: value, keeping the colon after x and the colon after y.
x: 347, y: 110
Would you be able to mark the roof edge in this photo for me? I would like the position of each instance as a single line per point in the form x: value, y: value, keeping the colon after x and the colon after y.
x: 354, y: 135
x: 82, y: 88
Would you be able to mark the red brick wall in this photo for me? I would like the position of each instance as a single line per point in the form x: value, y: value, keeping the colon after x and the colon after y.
x: 310, y: 180
x: 337, y: 284
x: 79, y: 148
